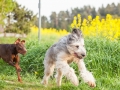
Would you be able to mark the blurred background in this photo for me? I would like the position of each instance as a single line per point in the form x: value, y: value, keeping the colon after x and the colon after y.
x: 18, y: 16
x: 99, y: 21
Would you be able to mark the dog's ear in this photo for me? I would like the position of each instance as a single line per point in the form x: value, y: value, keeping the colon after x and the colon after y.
x: 23, y: 41
x: 78, y: 32
x: 17, y: 41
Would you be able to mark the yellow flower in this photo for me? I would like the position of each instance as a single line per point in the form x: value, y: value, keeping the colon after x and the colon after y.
x: 108, y: 27
x: 78, y: 15
x: 90, y: 18
x: 36, y: 73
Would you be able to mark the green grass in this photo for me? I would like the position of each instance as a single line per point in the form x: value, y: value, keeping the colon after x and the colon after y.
x: 31, y: 83
x: 103, y: 60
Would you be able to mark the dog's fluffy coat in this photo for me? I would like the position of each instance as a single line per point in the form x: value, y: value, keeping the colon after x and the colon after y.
x: 68, y: 49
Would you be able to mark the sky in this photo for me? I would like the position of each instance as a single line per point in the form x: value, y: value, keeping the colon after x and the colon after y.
x: 49, y: 6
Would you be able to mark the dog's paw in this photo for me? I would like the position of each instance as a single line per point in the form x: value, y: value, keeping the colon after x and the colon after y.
x: 91, y: 84
x: 44, y: 83
x: 88, y: 78
x: 19, y: 79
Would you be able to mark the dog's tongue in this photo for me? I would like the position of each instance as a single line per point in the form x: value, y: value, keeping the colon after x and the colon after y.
x: 76, y: 55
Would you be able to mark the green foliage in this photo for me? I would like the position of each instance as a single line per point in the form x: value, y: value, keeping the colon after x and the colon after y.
x: 23, y: 18
x: 102, y: 60
x: 7, y: 40
x: 102, y: 57
x: 103, y: 53
x: 6, y: 6
x: 33, y: 61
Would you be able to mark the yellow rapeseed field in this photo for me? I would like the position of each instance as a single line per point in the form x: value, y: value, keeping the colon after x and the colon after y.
x: 108, y: 27
x: 51, y: 31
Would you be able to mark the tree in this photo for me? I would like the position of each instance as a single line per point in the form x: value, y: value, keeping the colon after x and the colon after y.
x: 53, y: 19
x: 63, y: 19
x: 44, y: 22
x: 6, y: 6
x: 102, y: 11
x: 20, y: 20
x: 118, y: 9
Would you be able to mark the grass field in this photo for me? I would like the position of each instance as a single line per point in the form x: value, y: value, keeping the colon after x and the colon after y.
x: 103, y: 60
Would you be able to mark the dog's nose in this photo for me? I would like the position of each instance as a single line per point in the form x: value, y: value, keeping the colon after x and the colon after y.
x: 83, y: 54
x: 25, y: 50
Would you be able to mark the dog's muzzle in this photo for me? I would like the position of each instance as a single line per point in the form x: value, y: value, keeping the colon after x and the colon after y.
x: 79, y: 56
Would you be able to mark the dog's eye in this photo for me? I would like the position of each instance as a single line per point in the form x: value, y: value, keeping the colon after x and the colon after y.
x: 77, y: 46
x: 71, y: 39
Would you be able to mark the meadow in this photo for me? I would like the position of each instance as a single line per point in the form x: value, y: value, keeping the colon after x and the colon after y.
x: 103, y: 58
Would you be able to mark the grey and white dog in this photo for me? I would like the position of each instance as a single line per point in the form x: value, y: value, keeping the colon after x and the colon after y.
x: 68, y: 49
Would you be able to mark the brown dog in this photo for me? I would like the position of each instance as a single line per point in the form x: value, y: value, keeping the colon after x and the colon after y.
x: 9, y: 53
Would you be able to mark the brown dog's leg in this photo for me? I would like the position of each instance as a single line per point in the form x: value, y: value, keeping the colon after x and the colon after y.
x: 18, y: 70
x: 15, y: 63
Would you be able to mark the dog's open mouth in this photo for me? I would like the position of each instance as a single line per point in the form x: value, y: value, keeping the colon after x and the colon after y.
x: 76, y: 55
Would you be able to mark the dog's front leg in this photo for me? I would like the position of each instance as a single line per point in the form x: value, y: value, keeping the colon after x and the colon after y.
x: 59, y: 77
x: 85, y: 74
x: 67, y: 71
x: 17, y: 66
